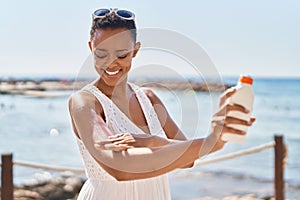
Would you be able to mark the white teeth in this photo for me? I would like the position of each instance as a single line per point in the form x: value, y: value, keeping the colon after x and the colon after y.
x: 112, y: 73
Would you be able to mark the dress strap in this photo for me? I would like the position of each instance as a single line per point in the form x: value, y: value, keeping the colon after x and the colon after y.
x: 150, y: 114
x: 106, y: 104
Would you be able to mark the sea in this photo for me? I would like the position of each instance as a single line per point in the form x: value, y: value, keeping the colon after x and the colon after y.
x: 38, y: 130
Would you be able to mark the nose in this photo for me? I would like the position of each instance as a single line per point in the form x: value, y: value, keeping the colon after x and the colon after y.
x: 111, y: 61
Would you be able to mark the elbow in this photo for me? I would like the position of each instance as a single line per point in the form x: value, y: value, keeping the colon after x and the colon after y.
x: 123, y: 177
x: 190, y: 165
x: 119, y: 175
x: 126, y: 176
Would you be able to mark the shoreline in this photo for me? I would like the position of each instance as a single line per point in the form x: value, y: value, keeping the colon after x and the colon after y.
x: 47, y: 87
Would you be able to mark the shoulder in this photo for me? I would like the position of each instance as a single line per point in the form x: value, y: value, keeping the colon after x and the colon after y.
x: 81, y: 100
x: 152, y: 96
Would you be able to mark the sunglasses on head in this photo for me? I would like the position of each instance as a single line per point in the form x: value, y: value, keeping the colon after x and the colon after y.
x: 124, y: 14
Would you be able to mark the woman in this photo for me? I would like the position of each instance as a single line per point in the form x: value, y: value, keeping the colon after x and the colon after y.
x: 126, y: 137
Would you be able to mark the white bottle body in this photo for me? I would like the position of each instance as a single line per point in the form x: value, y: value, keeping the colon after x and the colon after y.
x: 243, y: 96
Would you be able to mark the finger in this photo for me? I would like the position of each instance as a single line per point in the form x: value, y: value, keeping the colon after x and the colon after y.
x: 232, y: 120
x: 226, y: 108
x: 120, y: 136
x: 116, y: 139
x: 115, y: 136
x: 128, y: 141
x: 128, y: 137
x: 227, y: 129
x: 228, y: 93
x: 123, y: 138
x: 236, y: 107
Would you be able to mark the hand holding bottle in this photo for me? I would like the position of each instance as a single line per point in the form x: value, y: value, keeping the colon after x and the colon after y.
x: 222, y: 123
x: 244, y: 97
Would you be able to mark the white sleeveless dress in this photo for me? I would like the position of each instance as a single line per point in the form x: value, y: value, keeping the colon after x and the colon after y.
x: 102, y: 186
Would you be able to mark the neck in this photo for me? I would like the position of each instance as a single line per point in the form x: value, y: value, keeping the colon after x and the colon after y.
x: 118, y: 91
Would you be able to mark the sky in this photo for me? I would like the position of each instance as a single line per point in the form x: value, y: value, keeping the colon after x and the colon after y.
x: 260, y: 38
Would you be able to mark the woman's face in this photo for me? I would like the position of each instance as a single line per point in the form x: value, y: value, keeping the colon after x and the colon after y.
x: 113, y: 50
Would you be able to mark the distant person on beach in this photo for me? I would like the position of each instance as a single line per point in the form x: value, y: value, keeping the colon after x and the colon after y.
x: 126, y: 137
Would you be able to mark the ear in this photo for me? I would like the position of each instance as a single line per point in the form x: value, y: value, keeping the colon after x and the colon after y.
x: 136, y: 48
x: 90, y: 45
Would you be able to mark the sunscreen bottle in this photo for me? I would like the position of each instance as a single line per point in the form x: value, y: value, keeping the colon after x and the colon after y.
x: 243, y: 96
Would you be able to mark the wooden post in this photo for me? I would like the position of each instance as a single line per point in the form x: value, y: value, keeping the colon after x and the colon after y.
x: 7, y: 187
x: 279, y: 152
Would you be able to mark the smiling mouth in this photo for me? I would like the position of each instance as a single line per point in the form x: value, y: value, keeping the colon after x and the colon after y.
x: 112, y: 73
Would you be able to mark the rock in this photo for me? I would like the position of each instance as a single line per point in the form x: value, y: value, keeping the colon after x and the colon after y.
x: 43, y: 88
x: 21, y: 194
x: 56, y: 188
x: 178, y: 85
x: 73, y: 184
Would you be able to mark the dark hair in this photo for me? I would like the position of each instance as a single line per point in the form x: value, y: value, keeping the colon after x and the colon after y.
x: 113, y: 21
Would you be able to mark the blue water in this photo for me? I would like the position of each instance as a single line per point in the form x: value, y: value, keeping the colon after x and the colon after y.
x: 26, y: 123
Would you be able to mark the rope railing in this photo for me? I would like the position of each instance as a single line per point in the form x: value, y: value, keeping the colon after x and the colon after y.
x: 280, y: 158
x: 235, y: 154
x: 49, y: 167
x: 197, y: 162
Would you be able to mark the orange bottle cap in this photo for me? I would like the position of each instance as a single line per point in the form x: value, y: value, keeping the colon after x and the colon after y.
x: 246, y: 79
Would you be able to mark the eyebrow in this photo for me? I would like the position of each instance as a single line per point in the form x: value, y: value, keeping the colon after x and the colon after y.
x: 119, y: 50
x: 100, y: 49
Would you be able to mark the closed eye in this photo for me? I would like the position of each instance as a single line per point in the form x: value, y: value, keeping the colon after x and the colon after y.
x: 100, y: 53
x: 122, y: 56
x: 101, y: 56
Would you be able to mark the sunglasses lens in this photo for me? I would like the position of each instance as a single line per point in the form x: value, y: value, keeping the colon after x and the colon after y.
x: 125, y: 14
x: 101, y: 12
